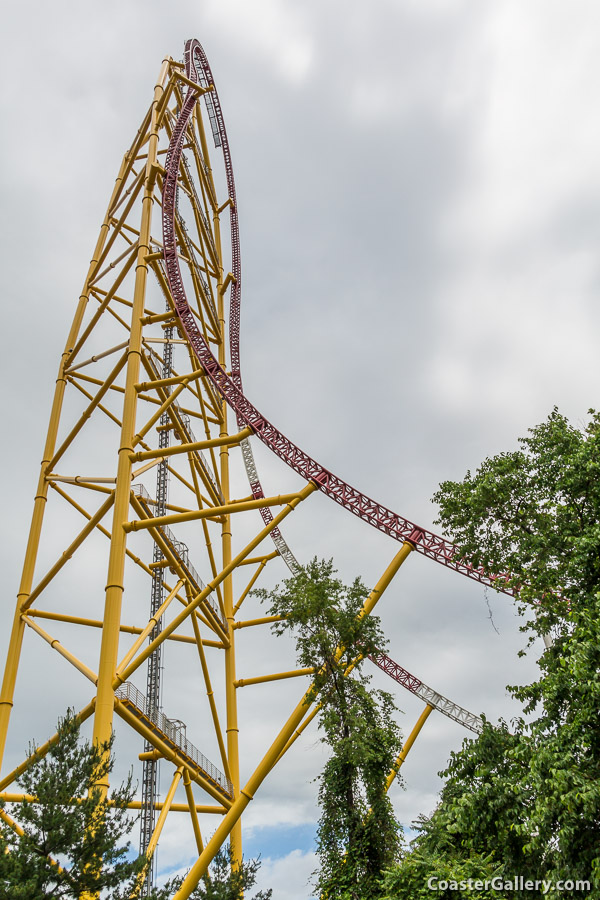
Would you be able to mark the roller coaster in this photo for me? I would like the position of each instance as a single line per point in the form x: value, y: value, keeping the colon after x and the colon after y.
x: 154, y: 347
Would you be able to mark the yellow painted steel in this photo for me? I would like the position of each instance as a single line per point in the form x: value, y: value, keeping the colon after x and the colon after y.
x: 16, y: 638
x: 174, y: 756
x: 212, y: 511
x: 21, y: 832
x: 200, y: 808
x: 232, y: 728
x: 203, y: 809
x: 116, y: 407
x: 159, y: 827
x: 277, y: 676
x: 254, y: 560
x: 56, y: 645
x: 265, y: 620
x: 408, y: 744
x: 126, y: 629
x: 96, y: 358
x: 158, y: 413
x: 227, y: 570
x: 93, y: 404
x: 114, y: 585
x: 164, y: 382
x: 193, y: 810
x: 211, y: 699
x: 197, y: 445
x: 154, y: 620
x: 68, y: 553
x: 41, y: 751
x: 250, y: 584
x: 273, y: 753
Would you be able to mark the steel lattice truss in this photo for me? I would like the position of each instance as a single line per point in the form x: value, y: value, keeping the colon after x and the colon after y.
x: 152, y: 360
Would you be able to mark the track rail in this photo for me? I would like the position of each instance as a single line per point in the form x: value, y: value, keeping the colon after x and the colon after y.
x: 427, y: 694
x: 375, y: 514
x: 197, y: 64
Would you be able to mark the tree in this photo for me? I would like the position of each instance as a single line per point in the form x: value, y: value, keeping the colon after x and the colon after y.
x: 228, y: 882
x: 527, y: 801
x: 73, y: 841
x: 358, y: 836
x: 70, y: 827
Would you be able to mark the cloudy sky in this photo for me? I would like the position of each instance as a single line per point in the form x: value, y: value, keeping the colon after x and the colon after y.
x: 419, y: 200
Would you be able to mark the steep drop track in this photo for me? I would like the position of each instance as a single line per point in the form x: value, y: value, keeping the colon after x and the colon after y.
x: 230, y: 387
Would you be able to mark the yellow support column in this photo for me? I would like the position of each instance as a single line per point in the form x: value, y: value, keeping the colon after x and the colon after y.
x: 16, y: 638
x: 116, y: 563
x: 232, y: 727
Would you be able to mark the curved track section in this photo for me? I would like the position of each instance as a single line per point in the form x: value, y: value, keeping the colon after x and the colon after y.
x: 196, y: 64
x: 427, y: 694
x: 375, y: 514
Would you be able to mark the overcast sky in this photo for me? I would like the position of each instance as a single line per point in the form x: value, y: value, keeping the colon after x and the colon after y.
x: 419, y: 200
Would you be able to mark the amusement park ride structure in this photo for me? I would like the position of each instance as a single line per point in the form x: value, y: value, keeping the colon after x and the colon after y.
x: 153, y: 348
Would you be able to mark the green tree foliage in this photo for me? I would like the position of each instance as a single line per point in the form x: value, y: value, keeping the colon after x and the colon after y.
x: 526, y: 801
x: 357, y: 835
x: 58, y: 855
x: 73, y: 834
x: 227, y: 882
x: 535, y: 514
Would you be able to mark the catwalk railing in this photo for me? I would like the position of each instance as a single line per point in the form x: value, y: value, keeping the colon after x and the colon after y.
x: 173, y: 731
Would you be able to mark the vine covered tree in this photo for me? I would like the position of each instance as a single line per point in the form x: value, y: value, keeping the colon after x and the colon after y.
x: 358, y: 835
x: 527, y: 800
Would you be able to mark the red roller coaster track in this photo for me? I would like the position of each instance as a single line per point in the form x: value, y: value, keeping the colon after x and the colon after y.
x: 375, y: 514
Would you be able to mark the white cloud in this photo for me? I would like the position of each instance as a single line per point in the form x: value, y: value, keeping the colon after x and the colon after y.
x: 419, y: 203
x: 276, y: 31
x: 288, y: 876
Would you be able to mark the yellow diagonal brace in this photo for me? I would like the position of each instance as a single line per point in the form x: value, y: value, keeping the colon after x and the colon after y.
x: 210, y: 512
x: 40, y: 752
x: 270, y: 758
x: 126, y: 629
x: 172, y: 626
x: 278, y: 676
x: 56, y: 645
x: 251, y: 584
x: 165, y: 382
x: 68, y: 553
x: 161, y: 409
x: 95, y: 358
x: 265, y: 620
x: 158, y: 828
x: 231, y: 440
x: 408, y: 744
x: 87, y: 412
x: 101, y: 308
x: 260, y: 559
x: 192, y: 807
x: 193, y: 84
x: 155, y: 619
x: 211, y: 698
x: 14, y: 826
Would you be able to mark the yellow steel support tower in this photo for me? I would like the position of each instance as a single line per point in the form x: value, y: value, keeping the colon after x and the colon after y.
x: 88, y: 562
